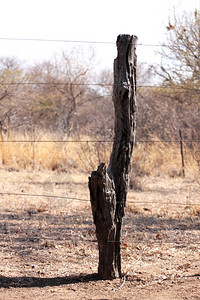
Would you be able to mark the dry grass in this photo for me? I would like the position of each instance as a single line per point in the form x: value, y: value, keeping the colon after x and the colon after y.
x: 46, y: 151
x: 160, y: 158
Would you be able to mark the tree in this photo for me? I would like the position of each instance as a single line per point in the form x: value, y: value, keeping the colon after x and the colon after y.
x: 11, y: 91
x: 181, y: 53
x: 61, y: 87
x: 177, y: 97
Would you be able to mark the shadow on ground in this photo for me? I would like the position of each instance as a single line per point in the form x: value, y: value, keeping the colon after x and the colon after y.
x: 30, y: 282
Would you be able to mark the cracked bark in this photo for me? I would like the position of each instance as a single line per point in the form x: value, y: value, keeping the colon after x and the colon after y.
x: 108, y: 186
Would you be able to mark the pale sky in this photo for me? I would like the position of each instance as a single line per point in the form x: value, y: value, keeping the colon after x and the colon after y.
x: 85, y: 20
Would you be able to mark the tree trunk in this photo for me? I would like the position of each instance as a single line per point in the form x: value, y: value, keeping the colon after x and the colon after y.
x: 108, y: 187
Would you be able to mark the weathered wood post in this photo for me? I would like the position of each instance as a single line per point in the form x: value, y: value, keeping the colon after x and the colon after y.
x: 2, y: 144
x: 182, y: 154
x: 108, y: 187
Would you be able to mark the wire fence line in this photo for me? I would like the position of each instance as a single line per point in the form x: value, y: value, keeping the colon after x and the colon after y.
x: 88, y: 200
x: 97, y: 141
x: 152, y: 242
x: 130, y: 243
x: 100, y: 84
x: 77, y: 41
x: 134, y: 242
x: 82, y: 199
x: 43, y: 195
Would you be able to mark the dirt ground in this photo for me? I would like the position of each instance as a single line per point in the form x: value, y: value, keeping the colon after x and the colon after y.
x: 48, y: 246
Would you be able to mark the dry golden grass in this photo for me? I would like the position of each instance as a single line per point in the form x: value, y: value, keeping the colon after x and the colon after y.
x: 160, y: 158
x: 46, y: 151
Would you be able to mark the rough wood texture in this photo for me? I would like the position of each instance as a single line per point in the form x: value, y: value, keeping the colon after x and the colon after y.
x: 108, y: 187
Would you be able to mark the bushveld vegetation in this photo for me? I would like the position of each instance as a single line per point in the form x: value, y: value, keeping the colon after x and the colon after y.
x: 69, y: 126
x: 40, y: 132
x: 47, y: 106
x: 56, y: 126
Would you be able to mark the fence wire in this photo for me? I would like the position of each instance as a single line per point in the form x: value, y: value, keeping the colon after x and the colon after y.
x: 165, y: 87
x: 88, y: 200
x: 77, y: 41
x: 96, y: 141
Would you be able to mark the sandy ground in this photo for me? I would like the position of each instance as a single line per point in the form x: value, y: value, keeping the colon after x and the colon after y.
x: 48, y: 246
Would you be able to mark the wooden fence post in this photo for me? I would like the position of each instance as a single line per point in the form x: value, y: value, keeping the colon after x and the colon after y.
x: 182, y: 154
x: 108, y: 186
x: 33, y: 146
x: 2, y: 144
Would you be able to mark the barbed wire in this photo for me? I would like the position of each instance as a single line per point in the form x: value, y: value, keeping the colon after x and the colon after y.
x: 88, y: 200
x: 56, y: 83
x: 76, y: 41
x: 124, y: 243
x: 99, y: 84
x: 131, y: 242
x: 152, y: 242
x: 43, y: 195
x: 92, y: 141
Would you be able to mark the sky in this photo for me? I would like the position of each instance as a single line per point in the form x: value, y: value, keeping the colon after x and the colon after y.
x: 85, y: 20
